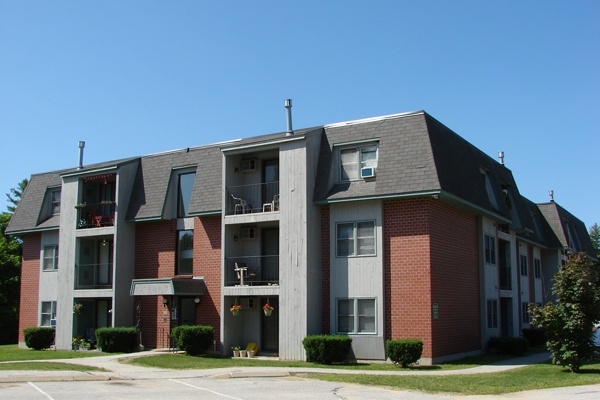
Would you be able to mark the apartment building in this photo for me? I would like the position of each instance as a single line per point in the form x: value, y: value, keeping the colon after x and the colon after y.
x: 384, y: 228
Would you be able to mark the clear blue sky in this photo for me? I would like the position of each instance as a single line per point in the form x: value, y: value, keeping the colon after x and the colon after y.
x: 138, y: 77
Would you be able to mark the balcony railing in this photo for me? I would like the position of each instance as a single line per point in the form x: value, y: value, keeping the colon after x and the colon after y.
x: 95, y: 215
x: 505, y: 278
x: 94, y: 276
x: 258, y: 198
x: 252, y: 271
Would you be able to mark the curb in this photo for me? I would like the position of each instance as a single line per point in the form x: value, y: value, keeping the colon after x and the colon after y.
x: 60, y: 378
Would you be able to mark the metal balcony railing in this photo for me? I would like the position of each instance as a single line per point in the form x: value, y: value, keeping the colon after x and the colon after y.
x: 96, y: 215
x: 505, y: 278
x: 94, y: 276
x: 261, y: 197
x: 252, y: 271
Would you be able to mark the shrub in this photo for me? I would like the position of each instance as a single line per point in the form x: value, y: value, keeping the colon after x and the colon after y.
x: 116, y: 340
x: 404, y: 352
x: 508, y: 345
x: 326, y: 349
x: 39, y: 338
x: 193, y: 339
x: 536, y: 337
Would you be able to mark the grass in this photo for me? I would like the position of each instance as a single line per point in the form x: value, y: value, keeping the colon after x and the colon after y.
x: 534, y: 377
x: 12, y: 352
x: 47, y: 366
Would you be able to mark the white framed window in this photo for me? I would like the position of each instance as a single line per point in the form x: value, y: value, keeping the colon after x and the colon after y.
x: 492, y: 314
x: 525, y: 312
x: 523, y: 263
x: 48, y: 313
x: 353, y: 159
x: 50, y: 258
x: 55, y: 198
x: 356, y: 316
x: 185, y: 252
x: 185, y: 184
x: 490, y: 249
x: 355, y: 239
x: 537, y: 268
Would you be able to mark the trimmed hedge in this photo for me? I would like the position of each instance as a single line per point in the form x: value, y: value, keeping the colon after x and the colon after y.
x: 508, y: 345
x: 39, y: 338
x: 536, y: 337
x: 116, y: 340
x: 404, y: 351
x: 326, y: 349
x: 193, y: 339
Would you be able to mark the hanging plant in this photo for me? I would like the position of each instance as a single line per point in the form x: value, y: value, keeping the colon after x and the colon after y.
x: 77, y: 308
x: 235, y: 309
x: 268, y: 309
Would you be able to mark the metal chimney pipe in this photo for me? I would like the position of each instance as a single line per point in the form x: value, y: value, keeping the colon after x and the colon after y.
x: 288, y: 110
x: 501, y: 157
x: 81, y: 147
x: 551, y: 193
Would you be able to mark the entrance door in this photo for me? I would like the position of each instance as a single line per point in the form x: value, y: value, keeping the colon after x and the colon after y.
x: 187, y: 311
x: 270, y: 327
x: 270, y: 255
x: 271, y: 180
x: 506, y: 317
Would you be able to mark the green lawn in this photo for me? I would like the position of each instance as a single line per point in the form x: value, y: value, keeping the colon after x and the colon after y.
x: 11, y: 352
x: 540, y: 376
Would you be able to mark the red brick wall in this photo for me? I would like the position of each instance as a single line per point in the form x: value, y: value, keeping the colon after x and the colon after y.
x: 406, y: 269
x: 207, y: 263
x: 326, y: 268
x: 454, y: 280
x: 155, y: 254
x: 431, y: 256
x: 30, y: 283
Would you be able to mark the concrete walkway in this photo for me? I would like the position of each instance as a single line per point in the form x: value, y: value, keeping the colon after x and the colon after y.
x: 121, y: 371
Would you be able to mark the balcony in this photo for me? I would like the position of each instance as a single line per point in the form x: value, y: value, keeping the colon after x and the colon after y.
x: 252, y: 271
x: 95, y: 215
x: 505, y: 278
x: 93, y: 276
x: 258, y: 198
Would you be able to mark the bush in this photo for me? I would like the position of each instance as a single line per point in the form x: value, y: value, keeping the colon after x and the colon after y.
x: 326, y: 349
x: 193, y: 339
x: 39, y: 338
x: 536, y: 337
x: 404, y: 352
x: 116, y: 340
x: 508, y: 345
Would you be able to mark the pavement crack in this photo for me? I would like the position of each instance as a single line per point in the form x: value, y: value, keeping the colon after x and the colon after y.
x: 335, y: 393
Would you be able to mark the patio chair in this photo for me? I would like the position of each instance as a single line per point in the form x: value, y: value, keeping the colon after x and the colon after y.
x: 241, y: 206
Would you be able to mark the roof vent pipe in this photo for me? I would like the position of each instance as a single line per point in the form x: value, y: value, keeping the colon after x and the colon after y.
x: 501, y: 157
x: 288, y: 111
x: 81, y: 146
x: 551, y: 193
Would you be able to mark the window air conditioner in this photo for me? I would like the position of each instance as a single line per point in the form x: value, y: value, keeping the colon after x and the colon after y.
x: 249, y: 165
x: 248, y: 233
x: 367, y: 172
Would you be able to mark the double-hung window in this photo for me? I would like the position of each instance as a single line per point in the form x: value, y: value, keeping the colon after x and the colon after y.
x: 55, y: 198
x: 490, y: 249
x: 354, y: 159
x: 48, y: 314
x: 50, y: 258
x: 523, y: 262
x: 537, y: 268
x: 185, y: 252
x: 355, y: 239
x: 492, y: 314
x: 356, y: 316
x: 184, y: 193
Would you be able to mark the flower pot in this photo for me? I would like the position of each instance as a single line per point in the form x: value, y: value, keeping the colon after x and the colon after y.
x: 235, y: 313
x: 250, y: 353
x: 236, y: 353
x: 75, y: 346
x: 268, y: 312
x: 242, y: 353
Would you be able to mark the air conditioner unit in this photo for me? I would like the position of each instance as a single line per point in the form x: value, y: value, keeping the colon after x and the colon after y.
x: 367, y: 172
x: 53, y: 322
x: 248, y: 233
x: 249, y: 303
x: 249, y: 165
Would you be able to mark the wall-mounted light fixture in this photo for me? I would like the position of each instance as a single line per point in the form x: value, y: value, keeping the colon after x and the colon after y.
x: 165, y: 300
x: 235, y: 238
x: 197, y: 301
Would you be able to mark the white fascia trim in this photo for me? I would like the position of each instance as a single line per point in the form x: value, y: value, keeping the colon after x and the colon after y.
x: 263, y: 144
x: 373, y: 119
x: 90, y: 171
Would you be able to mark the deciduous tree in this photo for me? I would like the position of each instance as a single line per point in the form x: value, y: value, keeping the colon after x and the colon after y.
x: 595, y: 236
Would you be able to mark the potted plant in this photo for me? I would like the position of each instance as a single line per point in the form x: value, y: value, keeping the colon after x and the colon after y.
x: 81, y: 206
x: 268, y: 309
x: 77, y: 308
x: 84, y: 344
x: 235, y: 309
x: 236, y: 351
x: 243, y: 353
x: 75, y: 344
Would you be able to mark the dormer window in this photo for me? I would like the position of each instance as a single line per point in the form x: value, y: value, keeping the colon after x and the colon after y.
x: 55, y: 199
x: 184, y: 193
x: 354, y: 159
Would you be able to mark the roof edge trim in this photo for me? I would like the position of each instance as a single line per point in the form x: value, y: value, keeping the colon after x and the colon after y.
x: 206, y: 213
x: 90, y: 171
x: 374, y: 119
x: 263, y: 144
x: 380, y: 197
x: 34, y: 230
